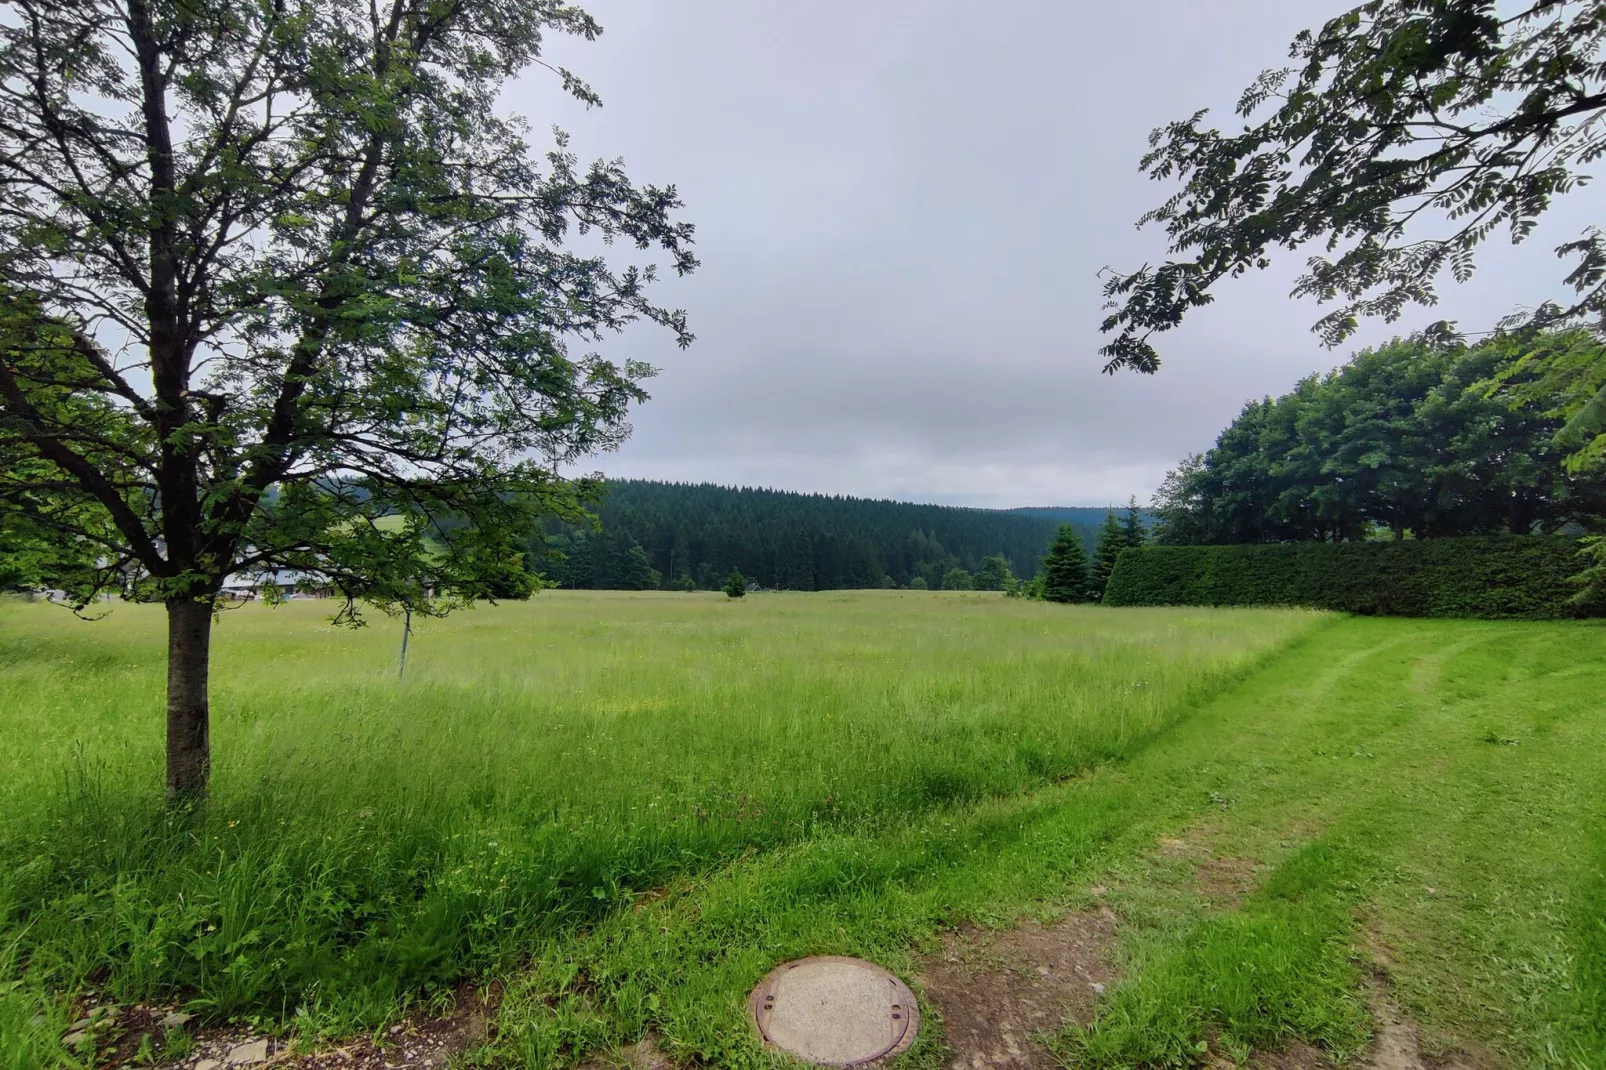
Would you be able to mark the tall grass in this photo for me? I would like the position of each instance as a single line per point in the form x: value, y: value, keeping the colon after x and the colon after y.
x: 371, y: 838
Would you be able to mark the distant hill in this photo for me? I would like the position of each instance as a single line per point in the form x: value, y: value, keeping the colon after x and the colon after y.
x: 666, y: 534
x: 1083, y: 516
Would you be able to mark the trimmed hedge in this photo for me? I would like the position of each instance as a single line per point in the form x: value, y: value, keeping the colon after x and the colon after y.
x: 1481, y: 576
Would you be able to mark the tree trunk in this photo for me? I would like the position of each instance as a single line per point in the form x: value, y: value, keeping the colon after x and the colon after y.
x: 1524, y: 512
x: 189, y: 650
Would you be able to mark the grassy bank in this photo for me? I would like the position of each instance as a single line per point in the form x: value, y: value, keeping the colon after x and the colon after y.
x: 372, y: 840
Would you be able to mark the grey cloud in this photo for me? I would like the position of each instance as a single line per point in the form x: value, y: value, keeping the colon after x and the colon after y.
x: 902, y: 208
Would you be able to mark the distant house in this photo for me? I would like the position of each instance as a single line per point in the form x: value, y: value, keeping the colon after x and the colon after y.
x: 291, y: 583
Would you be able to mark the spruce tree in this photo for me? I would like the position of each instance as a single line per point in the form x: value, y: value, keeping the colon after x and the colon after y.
x: 1137, y: 533
x: 1112, y: 540
x: 1065, y: 568
x: 736, y: 584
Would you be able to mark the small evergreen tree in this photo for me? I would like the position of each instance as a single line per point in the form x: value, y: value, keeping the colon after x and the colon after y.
x: 919, y: 584
x: 1112, y: 540
x: 1132, y: 524
x: 956, y: 579
x: 736, y: 583
x: 1065, y: 568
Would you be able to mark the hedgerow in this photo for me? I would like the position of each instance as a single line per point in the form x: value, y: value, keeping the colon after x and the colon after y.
x: 1476, y: 576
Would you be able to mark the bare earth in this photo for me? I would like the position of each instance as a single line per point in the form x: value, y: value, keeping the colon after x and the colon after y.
x: 996, y: 990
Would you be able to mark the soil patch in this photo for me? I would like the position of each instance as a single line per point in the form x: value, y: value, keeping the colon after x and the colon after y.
x: 1226, y: 880
x: 643, y: 1055
x: 1296, y: 1056
x: 419, y: 1042
x: 1397, y: 1044
x: 996, y: 990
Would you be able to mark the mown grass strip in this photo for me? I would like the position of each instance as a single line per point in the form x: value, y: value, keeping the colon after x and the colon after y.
x: 1282, y: 967
x: 1587, y: 930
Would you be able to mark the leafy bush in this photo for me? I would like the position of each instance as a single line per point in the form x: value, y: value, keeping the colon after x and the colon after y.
x: 1477, y: 576
x: 993, y: 575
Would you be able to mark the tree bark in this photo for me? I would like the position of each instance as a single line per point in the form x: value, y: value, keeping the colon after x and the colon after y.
x: 189, y: 649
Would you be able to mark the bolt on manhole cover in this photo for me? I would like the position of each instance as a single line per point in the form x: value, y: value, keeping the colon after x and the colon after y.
x: 835, y: 1011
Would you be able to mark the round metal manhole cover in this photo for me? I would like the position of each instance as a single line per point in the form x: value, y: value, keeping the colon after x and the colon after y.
x: 835, y: 1011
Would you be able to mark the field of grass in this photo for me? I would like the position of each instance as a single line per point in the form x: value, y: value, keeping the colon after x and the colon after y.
x: 372, y: 840
x: 817, y: 774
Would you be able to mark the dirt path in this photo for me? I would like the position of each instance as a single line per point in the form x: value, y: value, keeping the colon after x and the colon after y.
x: 996, y: 990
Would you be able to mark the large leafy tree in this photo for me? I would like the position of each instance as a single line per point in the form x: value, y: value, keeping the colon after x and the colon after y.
x: 1180, y: 507
x: 1403, y: 134
x: 50, y: 536
x: 1422, y: 436
x: 285, y: 289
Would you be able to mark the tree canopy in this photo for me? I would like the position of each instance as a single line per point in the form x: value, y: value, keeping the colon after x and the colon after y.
x: 1403, y: 135
x: 1423, y: 436
x: 284, y: 288
x: 993, y: 574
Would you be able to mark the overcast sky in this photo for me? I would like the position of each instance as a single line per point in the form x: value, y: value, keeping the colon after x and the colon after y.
x: 902, y: 207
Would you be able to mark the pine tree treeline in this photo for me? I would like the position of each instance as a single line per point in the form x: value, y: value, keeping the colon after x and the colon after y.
x: 1426, y: 437
x: 691, y: 536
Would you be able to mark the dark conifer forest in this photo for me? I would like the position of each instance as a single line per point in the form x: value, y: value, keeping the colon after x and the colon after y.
x: 692, y: 536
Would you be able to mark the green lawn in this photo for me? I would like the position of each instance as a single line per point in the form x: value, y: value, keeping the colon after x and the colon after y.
x: 797, y: 774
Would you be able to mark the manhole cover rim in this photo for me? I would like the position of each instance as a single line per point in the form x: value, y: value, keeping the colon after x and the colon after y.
x: 904, y: 997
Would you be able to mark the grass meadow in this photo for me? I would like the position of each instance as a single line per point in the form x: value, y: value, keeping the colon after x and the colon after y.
x: 625, y: 809
x: 372, y: 840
